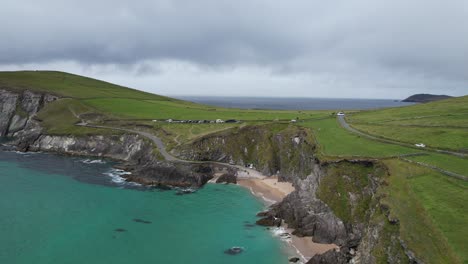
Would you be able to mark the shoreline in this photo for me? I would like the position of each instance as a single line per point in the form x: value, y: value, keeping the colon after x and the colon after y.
x: 270, y: 191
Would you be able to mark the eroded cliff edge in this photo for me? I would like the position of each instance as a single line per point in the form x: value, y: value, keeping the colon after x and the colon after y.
x: 335, y: 202
x: 18, y: 120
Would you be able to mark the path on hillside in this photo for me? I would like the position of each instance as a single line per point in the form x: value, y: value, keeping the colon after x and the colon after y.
x: 345, y: 125
x: 242, y: 171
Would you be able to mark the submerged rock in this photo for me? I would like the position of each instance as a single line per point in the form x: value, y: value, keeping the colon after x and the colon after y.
x: 234, y: 251
x: 141, y: 221
x: 120, y: 230
x: 249, y: 225
x: 294, y: 259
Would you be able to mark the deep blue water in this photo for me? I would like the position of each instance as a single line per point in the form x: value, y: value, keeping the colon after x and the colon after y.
x: 294, y: 103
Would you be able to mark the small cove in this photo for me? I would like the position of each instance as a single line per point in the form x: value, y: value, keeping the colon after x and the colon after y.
x: 59, y: 209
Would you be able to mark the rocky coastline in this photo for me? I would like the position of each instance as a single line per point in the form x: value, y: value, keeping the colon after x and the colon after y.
x: 357, y: 224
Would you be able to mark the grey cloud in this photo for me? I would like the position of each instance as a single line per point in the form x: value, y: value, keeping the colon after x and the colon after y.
x: 363, y: 41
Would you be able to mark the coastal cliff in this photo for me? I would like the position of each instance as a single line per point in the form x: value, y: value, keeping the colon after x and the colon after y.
x: 18, y: 121
x: 278, y: 149
x: 334, y: 202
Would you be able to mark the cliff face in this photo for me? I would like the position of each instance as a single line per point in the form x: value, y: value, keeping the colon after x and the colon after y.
x: 272, y: 149
x: 335, y: 202
x: 17, y: 120
x: 18, y: 110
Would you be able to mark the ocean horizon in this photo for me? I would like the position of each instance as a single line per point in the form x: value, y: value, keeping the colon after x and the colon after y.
x: 294, y: 103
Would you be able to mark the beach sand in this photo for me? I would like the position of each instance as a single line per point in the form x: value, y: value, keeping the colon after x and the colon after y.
x: 272, y: 191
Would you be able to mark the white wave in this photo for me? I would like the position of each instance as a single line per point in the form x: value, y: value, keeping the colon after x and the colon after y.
x: 92, y: 161
x: 24, y: 153
x: 116, y: 175
x: 282, y: 233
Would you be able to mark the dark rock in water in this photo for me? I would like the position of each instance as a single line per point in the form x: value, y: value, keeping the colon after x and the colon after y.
x: 141, y: 221
x: 294, y: 259
x: 120, y: 230
x: 227, y: 178
x: 234, y: 251
x: 251, y: 236
x: 262, y: 214
x: 269, y: 221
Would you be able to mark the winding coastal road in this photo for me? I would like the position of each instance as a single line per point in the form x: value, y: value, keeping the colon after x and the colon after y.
x: 157, y: 141
x: 242, y: 171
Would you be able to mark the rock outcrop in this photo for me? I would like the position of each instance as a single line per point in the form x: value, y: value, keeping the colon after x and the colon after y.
x: 17, y: 120
x: 227, y: 178
x: 287, y: 151
x: 18, y: 110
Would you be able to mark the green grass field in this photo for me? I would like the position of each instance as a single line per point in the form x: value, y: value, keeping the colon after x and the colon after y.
x: 60, y: 117
x: 70, y: 85
x: 444, y: 161
x: 125, y: 103
x: 436, y: 137
x: 446, y: 201
x: 155, y: 109
x: 430, y: 207
x: 442, y: 124
x: 457, y: 106
x: 335, y: 141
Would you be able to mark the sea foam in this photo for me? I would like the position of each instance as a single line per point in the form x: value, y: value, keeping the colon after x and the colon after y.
x: 93, y: 161
x: 116, y: 175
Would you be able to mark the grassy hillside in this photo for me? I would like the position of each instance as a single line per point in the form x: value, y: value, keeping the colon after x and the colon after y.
x: 442, y: 124
x: 121, y: 102
x: 431, y: 209
x: 70, y: 85
x: 335, y: 141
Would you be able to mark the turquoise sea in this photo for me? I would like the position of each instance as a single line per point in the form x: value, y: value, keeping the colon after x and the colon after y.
x: 56, y: 209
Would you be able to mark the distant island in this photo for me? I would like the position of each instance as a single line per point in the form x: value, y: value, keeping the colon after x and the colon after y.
x: 424, y: 98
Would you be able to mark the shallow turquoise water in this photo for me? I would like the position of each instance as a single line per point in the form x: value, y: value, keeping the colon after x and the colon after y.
x: 50, y: 213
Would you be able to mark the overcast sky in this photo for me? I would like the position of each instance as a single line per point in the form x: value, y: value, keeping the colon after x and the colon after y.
x: 307, y: 48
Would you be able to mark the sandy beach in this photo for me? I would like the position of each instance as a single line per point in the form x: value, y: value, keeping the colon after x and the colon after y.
x: 272, y: 191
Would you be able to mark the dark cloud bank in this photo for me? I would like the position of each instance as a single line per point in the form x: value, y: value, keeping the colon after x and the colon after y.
x: 361, y: 48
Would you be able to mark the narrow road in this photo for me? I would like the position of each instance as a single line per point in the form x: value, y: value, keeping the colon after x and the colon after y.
x: 242, y: 171
x: 345, y: 125
x: 157, y: 141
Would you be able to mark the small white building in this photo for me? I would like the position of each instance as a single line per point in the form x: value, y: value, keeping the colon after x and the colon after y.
x: 420, y: 145
x: 169, y: 120
x: 340, y: 114
x: 293, y: 120
x: 219, y: 121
